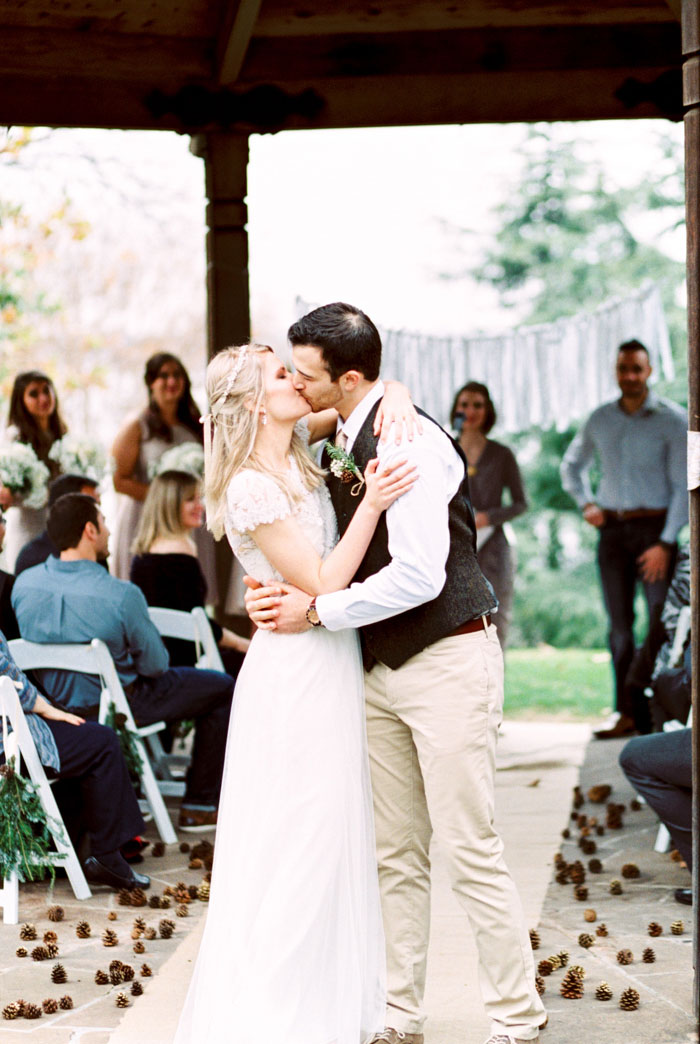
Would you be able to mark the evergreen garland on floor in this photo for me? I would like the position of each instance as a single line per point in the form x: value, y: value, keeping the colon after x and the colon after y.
x: 25, y: 837
x: 126, y: 742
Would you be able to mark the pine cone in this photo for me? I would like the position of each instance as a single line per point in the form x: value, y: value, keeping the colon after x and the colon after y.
x: 158, y: 849
x: 562, y: 876
x: 635, y: 805
x: 558, y: 859
x: 588, y: 847
x: 115, y: 976
x: 203, y: 892
x: 599, y: 793
x: 615, y: 887
x: 21, y: 1005
x: 566, y: 833
x: 648, y: 955
x: 577, y: 971
x: 138, y: 897
x: 146, y: 971
x: 50, y: 937
x: 193, y: 889
x: 58, y: 974
x: 28, y: 932
x: 56, y: 913
x: 11, y: 1011
x: 182, y: 894
x: 539, y: 984
x: 138, y: 947
x: 140, y: 924
x: 21, y: 952
x: 555, y: 961
x: 585, y: 940
x: 581, y: 821
x: 32, y: 1011
x: 150, y: 934
x: 40, y: 953
x: 50, y: 1006
x: 581, y: 893
x: 136, y: 989
x: 82, y: 930
x: 65, y: 1003
x: 166, y: 928
x: 677, y: 928
x: 52, y: 950
x: 590, y: 915
x: 164, y: 902
x: 563, y: 956
x: 603, y: 992
x: 112, y: 915
x: 545, y: 968
x: 154, y: 902
x: 602, y: 929
x: 184, y: 847
x: 182, y: 910
x: 654, y: 929
x: 630, y: 871
x: 101, y: 978
x: 629, y: 999
x: 577, y: 872
x: 109, y: 938
x: 195, y: 864
x: 124, y: 897
x: 127, y: 972
x: 600, y: 830
x: 625, y: 956
x: 571, y: 987
x: 122, y: 1000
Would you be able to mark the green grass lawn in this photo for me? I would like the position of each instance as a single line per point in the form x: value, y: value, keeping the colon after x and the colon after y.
x: 571, y: 683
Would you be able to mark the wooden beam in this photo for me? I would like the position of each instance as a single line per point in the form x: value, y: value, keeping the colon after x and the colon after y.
x: 233, y: 38
x: 676, y: 8
x: 327, y: 17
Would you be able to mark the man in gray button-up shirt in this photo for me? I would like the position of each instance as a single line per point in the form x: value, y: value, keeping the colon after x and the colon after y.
x: 639, y: 445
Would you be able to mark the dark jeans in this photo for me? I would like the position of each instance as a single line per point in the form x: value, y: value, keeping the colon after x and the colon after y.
x: 620, y: 545
x: 659, y: 767
x: 94, y: 791
x: 185, y: 692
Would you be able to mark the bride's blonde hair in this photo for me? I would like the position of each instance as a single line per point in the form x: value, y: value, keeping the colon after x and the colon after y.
x: 236, y: 394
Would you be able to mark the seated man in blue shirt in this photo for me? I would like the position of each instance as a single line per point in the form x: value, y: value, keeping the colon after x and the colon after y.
x: 73, y: 599
x: 71, y: 748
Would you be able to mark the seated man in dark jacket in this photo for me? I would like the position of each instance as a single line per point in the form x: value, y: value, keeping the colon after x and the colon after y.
x: 41, y: 547
x: 72, y: 599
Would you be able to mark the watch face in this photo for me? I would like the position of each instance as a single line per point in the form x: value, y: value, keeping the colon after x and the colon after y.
x: 312, y: 616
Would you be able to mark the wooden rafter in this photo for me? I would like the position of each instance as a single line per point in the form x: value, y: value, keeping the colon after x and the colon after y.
x: 234, y: 37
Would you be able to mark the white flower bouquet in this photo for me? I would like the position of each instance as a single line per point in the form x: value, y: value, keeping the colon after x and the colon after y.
x: 24, y: 474
x: 188, y: 457
x: 79, y: 457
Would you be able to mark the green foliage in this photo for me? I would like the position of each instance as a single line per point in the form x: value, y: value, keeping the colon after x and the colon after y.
x: 25, y: 838
x: 572, y: 683
x: 126, y: 742
x: 562, y: 608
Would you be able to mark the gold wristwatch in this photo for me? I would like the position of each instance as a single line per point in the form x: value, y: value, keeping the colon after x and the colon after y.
x: 312, y: 616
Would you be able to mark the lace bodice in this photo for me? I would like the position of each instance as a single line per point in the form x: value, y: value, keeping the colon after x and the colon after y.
x: 254, y: 499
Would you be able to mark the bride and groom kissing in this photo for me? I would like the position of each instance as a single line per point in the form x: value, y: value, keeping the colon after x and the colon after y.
x: 308, y: 945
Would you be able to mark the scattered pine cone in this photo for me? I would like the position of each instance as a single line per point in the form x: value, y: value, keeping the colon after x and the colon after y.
x: 182, y: 894
x: 28, y: 932
x: 138, y: 897
x: 577, y: 872
x: 115, y: 976
x: 562, y: 876
x: 56, y: 913
x: 539, y: 984
x: 122, y: 1000
x: 581, y: 893
x: 545, y: 967
x: 50, y: 937
x: 677, y: 928
x: 578, y: 797
x: 195, y: 864
x: 154, y: 902
x: 585, y: 940
x: 164, y: 902
x: 571, y: 987
x: 124, y: 897
x: 555, y: 961
x: 21, y: 952
x: 599, y: 793
x: 534, y: 939
x: 50, y: 1006
x: 563, y: 956
x: 66, y: 1003
x: 32, y: 1011
x: 83, y: 929
x: 615, y: 887
x: 58, y: 974
x: 203, y: 892
x: 635, y: 805
x: 566, y: 834
x: 558, y: 859
x: 192, y: 889
x: 146, y: 971
x: 590, y: 915
x: 182, y: 910
x: 602, y: 929
x: 625, y: 957
x: 158, y: 849
x: 600, y: 830
x: 138, y: 947
x: 127, y: 972
x: 595, y: 866
x: 52, y: 950
x: 630, y: 871
x: 101, y: 978
x: 112, y: 915
x: 629, y: 999
x: 676, y: 857
x: 581, y: 821
x: 136, y: 989
x: 150, y: 934
x: 166, y: 928
x: 11, y: 1011
x: 578, y: 971
x: 654, y: 929
x: 603, y: 992
x: 140, y: 924
x: 588, y: 846
x: 648, y: 955
x: 109, y: 938
x: 40, y: 953
x: 184, y: 847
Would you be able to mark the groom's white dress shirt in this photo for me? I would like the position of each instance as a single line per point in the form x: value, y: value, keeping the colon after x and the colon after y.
x: 417, y: 524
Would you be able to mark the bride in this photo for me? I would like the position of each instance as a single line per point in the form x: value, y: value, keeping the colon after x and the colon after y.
x: 293, y: 950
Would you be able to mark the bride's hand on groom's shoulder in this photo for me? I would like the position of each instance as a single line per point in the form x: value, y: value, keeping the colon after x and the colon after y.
x: 396, y: 410
x: 275, y: 606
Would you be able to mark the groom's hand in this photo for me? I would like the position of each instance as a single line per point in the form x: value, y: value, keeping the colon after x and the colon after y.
x: 276, y: 606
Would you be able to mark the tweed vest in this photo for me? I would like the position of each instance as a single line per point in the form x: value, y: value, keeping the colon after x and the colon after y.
x: 466, y: 594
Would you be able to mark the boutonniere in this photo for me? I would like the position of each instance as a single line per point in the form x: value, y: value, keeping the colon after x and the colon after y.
x: 343, y: 466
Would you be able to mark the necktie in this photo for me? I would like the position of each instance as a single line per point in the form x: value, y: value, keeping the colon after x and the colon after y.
x: 341, y: 439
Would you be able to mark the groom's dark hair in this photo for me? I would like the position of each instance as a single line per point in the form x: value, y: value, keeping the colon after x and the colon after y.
x: 346, y: 337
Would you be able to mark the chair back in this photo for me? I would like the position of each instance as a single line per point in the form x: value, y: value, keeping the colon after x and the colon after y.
x: 192, y: 627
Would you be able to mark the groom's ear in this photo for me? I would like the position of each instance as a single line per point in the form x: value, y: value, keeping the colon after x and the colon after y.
x: 349, y: 380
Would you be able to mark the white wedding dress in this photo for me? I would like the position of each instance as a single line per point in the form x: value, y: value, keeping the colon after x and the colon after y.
x: 293, y: 949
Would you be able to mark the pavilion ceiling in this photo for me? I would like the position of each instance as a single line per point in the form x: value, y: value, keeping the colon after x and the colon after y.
x: 193, y: 65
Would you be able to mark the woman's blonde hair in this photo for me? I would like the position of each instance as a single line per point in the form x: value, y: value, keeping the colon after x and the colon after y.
x: 162, y: 509
x: 236, y: 393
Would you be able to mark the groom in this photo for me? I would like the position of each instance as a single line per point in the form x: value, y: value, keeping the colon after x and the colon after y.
x: 434, y: 685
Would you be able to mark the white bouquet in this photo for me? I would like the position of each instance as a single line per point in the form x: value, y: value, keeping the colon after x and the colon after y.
x: 188, y: 457
x: 79, y: 457
x: 24, y: 474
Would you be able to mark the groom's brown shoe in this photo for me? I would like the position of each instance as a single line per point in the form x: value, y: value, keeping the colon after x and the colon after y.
x: 392, y: 1036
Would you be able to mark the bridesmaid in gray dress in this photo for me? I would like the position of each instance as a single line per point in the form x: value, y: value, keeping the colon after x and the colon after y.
x: 35, y: 419
x: 171, y: 418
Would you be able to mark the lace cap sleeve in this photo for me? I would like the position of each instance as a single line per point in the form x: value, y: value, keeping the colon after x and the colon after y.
x: 301, y: 428
x: 254, y: 499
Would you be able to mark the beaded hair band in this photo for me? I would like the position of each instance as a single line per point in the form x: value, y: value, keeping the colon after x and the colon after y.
x: 236, y: 369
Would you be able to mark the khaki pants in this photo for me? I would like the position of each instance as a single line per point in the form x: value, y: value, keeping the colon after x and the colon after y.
x: 432, y: 728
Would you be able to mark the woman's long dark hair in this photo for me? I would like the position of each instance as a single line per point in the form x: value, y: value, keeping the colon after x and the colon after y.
x: 478, y: 389
x: 188, y: 412
x: 28, y: 430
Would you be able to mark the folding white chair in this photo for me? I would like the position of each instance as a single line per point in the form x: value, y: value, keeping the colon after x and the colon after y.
x: 96, y: 658
x: 191, y: 627
x: 19, y: 743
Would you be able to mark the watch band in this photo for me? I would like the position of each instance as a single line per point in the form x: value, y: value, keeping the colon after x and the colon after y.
x: 312, y: 616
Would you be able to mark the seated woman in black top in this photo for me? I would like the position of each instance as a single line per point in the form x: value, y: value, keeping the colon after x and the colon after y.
x: 166, y: 568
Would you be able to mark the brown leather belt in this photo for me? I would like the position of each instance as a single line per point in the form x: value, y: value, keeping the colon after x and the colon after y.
x: 629, y: 516
x: 472, y: 625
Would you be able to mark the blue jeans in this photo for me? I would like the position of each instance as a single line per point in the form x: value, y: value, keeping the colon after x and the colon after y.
x: 659, y: 767
x: 185, y: 692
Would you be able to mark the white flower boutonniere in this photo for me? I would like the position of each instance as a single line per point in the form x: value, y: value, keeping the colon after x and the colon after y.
x: 343, y: 466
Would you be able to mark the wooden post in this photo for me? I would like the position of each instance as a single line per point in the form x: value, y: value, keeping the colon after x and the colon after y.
x: 691, y: 101
x: 225, y: 158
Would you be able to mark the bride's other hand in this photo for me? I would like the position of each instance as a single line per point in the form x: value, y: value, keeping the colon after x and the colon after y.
x: 397, y: 409
x: 262, y: 602
x: 384, y: 487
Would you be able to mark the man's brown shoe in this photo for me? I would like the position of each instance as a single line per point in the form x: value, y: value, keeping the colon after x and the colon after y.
x: 195, y: 820
x: 392, y: 1036
x: 624, y: 726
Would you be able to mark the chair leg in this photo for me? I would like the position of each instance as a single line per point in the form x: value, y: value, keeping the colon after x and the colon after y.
x: 9, y: 900
x: 663, y: 840
x: 149, y: 784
